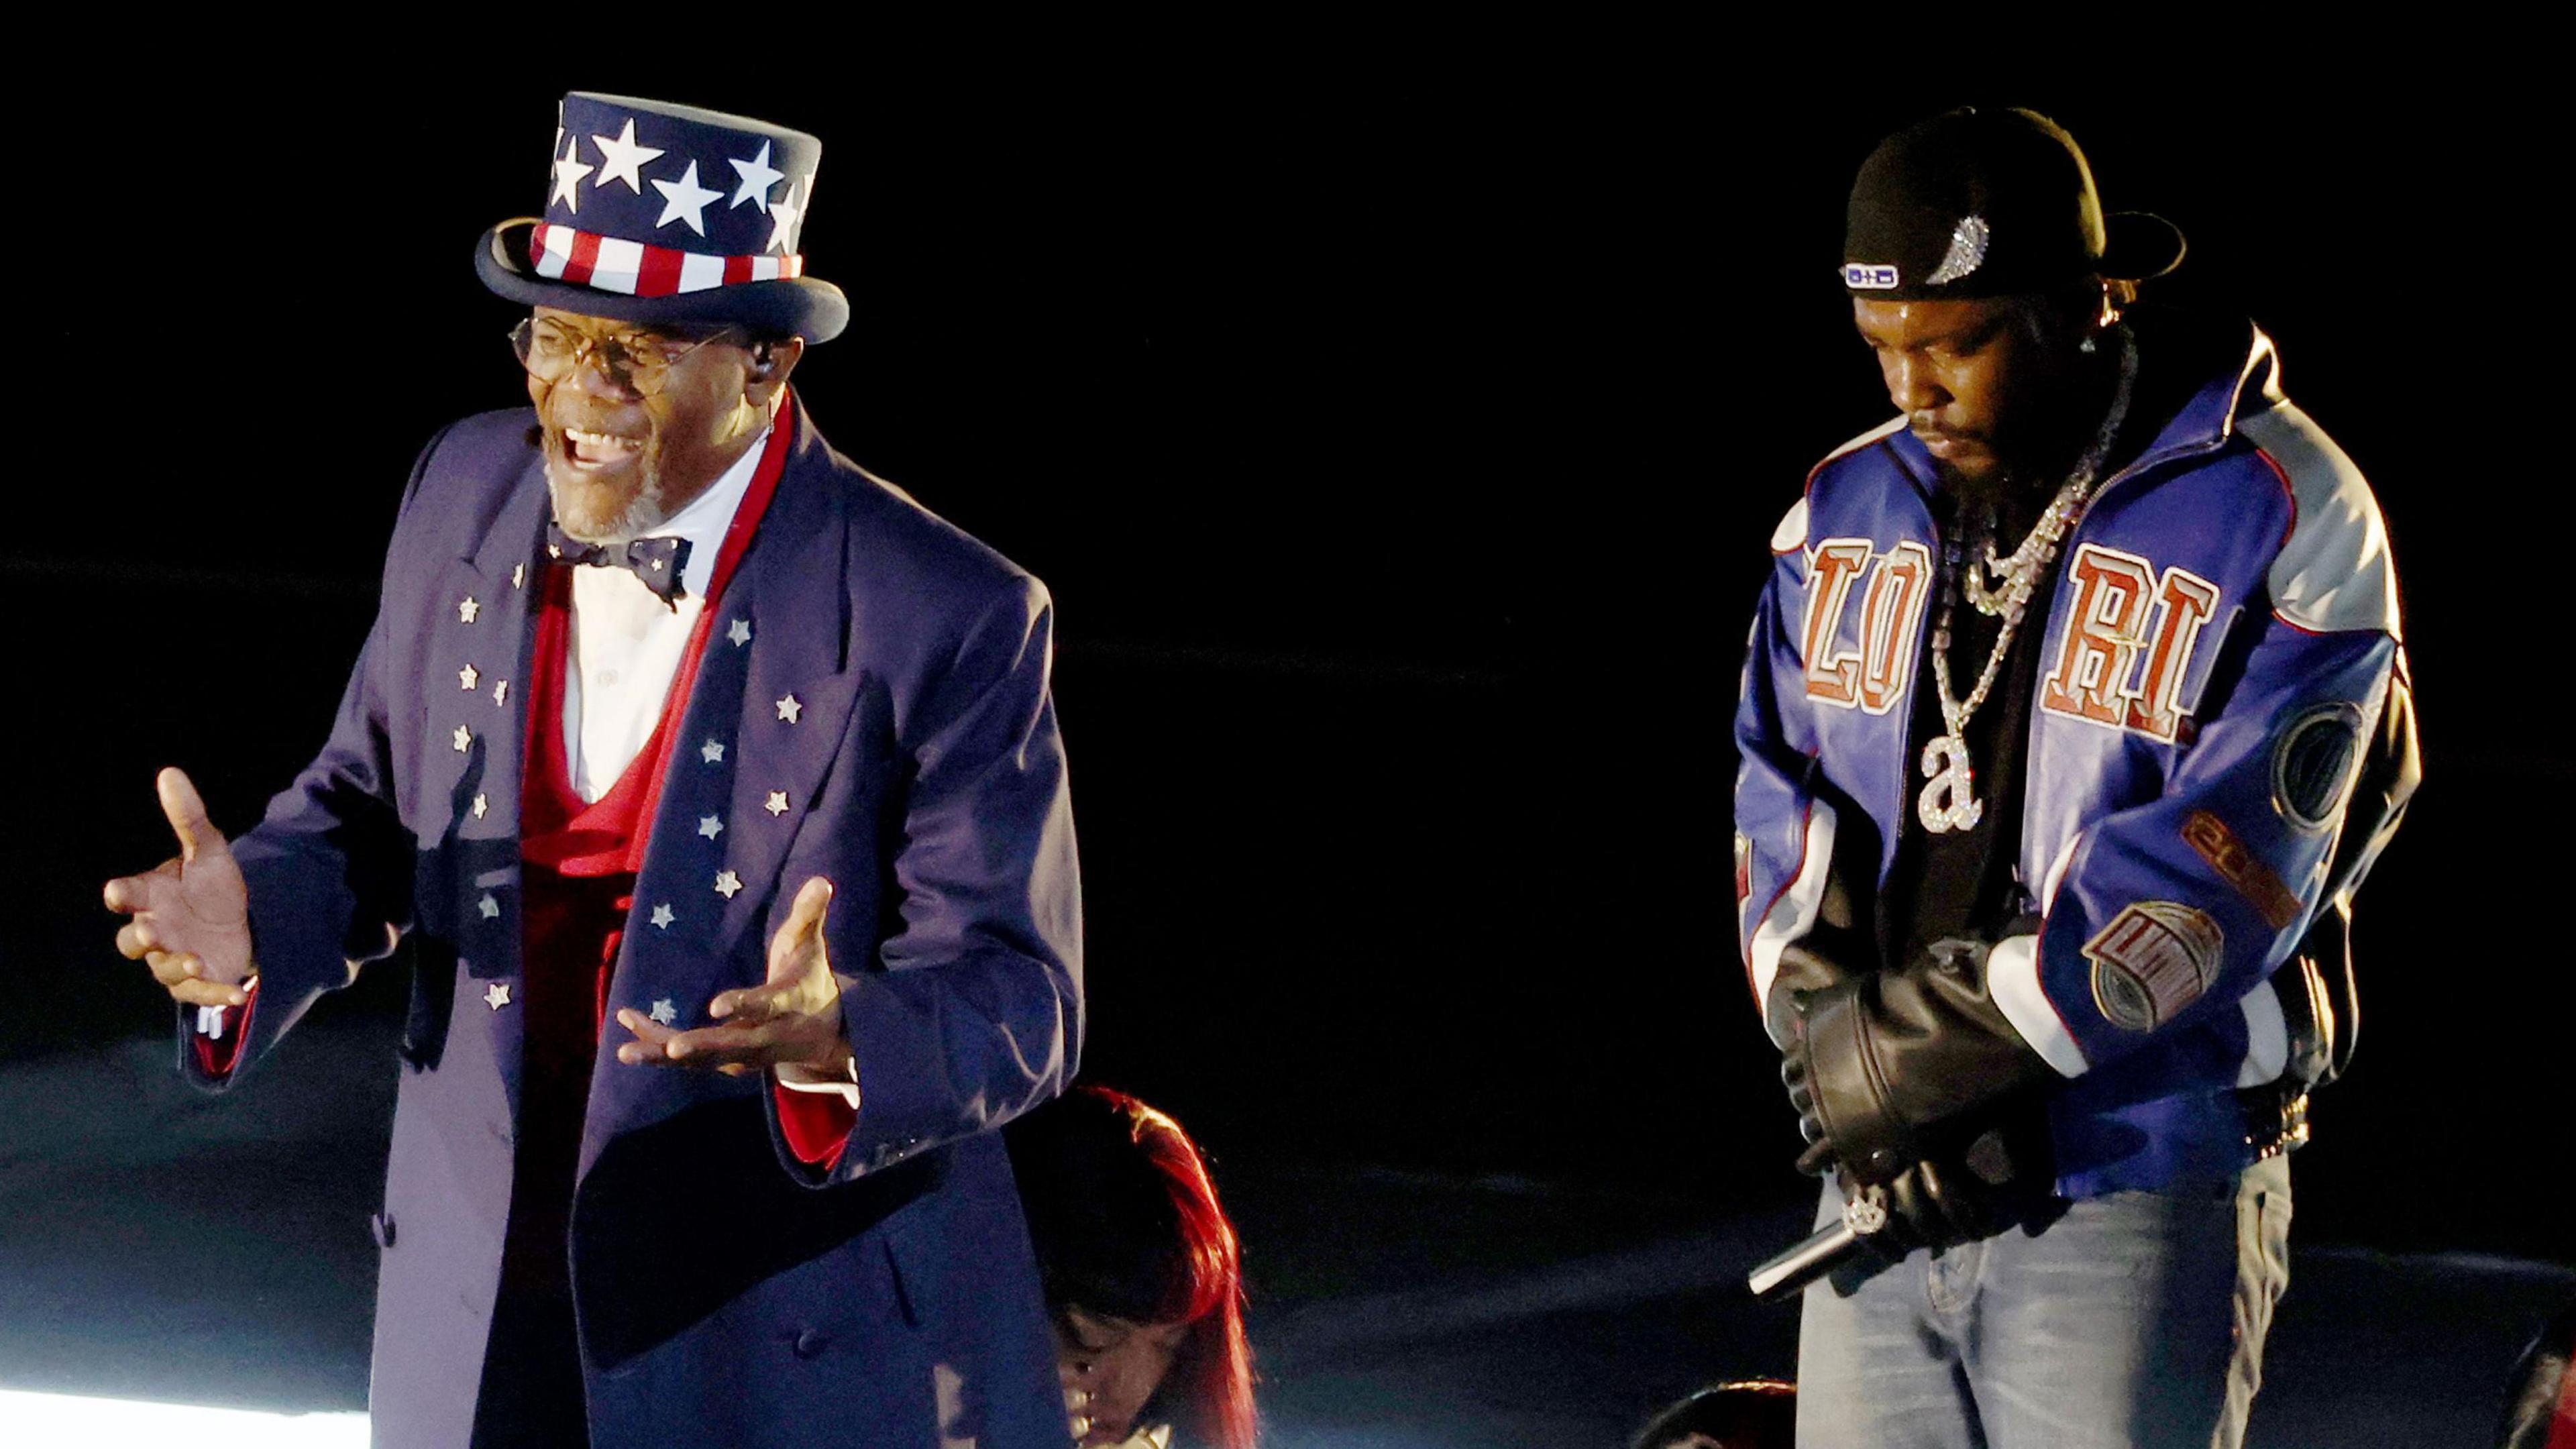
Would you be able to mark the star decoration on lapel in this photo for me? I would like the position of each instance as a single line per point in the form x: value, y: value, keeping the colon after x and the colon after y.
x: 554, y: 550
x: 712, y: 752
x: 501, y: 694
x: 497, y: 995
x: 664, y: 1012
x: 466, y: 611
x: 739, y: 631
x: 789, y: 708
x: 727, y: 883
x: 488, y: 907
x: 463, y: 738
x: 481, y: 804
x: 777, y: 804
x: 466, y: 677
x: 662, y: 917
x: 623, y: 160
x: 710, y: 827
x: 685, y: 200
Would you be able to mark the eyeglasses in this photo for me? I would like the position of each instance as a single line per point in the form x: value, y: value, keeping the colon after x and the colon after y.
x: 637, y: 360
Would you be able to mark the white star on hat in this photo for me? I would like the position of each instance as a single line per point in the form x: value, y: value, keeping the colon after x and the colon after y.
x: 623, y: 160
x: 784, y: 215
x: 568, y: 173
x: 685, y: 200
x: 662, y: 915
x: 757, y: 177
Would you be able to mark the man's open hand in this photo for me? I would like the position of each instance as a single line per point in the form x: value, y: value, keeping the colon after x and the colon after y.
x: 191, y: 914
x: 794, y: 1019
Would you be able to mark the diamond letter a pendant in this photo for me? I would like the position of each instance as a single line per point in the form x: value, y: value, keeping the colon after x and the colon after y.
x: 1949, y: 802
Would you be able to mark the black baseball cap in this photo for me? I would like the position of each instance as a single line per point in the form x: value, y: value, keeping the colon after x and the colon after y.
x: 1989, y: 202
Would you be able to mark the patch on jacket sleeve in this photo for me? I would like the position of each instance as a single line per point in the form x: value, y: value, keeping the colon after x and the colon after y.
x: 2154, y: 959
x: 2312, y: 764
x: 2241, y: 868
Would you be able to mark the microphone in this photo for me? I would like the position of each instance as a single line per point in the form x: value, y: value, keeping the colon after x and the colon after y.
x: 1790, y: 1272
x: 1824, y: 1250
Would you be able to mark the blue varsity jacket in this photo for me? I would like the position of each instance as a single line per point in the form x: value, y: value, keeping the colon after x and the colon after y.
x: 2222, y: 638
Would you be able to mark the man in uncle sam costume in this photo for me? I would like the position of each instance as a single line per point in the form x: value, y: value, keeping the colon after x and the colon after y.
x: 715, y: 786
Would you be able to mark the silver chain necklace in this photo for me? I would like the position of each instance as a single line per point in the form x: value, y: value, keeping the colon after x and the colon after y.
x: 1949, y: 801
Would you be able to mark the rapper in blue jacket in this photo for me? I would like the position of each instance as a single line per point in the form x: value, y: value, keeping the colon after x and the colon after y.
x: 2221, y: 644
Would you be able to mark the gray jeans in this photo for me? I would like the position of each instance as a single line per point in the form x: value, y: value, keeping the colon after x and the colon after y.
x: 2131, y: 1321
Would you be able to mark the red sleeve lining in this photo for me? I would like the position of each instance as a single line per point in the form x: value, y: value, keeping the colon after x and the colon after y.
x: 816, y: 1125
x: 216, y: 1057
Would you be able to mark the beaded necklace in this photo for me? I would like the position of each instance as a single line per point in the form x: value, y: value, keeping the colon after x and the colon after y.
x: 1948, y: 801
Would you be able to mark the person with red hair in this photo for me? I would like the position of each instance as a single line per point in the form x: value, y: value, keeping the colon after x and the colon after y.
x: 1142, y: 1273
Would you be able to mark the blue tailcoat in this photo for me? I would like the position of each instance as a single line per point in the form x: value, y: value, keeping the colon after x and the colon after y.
x: 726, y: 1295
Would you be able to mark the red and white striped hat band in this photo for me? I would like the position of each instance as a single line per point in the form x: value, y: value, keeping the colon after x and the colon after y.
x: 613, y: 264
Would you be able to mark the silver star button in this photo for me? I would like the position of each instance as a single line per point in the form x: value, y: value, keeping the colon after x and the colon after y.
x: 710, y: 827
x: 501, y: 694
x: 497, y: 995
x: 777, y: 802
x: 664, y: 1012
x: 463, y: 738
x: 789, y: 708
x: 466, y: 677
x: 481, y: 804
x: 712, y: 751
x: 662, y: 917
x: 739, y: 631
x: 488, y: 906
x: 466, y: 611
x: 727, y: 883
x: 518, y: 576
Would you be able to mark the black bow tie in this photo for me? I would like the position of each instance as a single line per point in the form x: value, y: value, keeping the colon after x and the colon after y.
x: 657, y: 561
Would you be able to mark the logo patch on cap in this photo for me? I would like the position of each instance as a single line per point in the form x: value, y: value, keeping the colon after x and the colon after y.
x: 1868, y: 278
x: 1967, y: 251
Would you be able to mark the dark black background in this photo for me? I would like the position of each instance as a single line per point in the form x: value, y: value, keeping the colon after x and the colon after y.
x: 1398, y: 426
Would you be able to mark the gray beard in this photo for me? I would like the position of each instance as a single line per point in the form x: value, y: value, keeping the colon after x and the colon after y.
x: 643, y: 511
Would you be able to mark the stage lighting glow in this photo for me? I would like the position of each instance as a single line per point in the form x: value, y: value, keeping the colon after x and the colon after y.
x: 68, y: 1421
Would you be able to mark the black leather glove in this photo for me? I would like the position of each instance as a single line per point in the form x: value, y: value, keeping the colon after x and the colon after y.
x: 1961, y: 1193
x: 1881, y: 1061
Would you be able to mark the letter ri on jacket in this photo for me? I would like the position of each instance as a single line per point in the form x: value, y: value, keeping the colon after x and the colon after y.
x: 2120, y: 661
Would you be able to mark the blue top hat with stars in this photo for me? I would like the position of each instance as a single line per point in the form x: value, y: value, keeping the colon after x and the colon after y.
x: 662, y: 213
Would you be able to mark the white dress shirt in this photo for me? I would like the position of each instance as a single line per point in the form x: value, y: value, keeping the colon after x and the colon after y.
x: 626, y: 643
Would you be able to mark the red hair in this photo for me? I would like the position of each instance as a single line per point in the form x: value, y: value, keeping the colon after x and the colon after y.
x: 1126, y: 1222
